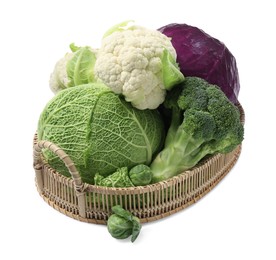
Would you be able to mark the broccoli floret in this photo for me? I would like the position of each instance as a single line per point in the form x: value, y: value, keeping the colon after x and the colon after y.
x: 203, y: 122
x: 194, y: 94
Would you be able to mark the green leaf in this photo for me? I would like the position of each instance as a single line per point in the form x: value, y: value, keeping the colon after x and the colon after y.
x: 135, y: 229
x: 73, y: 47
x: 119, y: 27
x: 118, y: 210
x: 80, y: 69
x: 170, y: 70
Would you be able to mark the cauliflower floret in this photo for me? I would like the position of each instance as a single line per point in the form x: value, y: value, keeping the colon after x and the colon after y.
x: 59, y: 78
x: 131, y: 62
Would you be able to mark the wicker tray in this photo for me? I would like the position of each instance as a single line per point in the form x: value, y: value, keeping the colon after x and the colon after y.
x: 90, y: 203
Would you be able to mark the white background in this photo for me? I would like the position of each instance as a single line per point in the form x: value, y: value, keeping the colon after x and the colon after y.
x: 235, y: 221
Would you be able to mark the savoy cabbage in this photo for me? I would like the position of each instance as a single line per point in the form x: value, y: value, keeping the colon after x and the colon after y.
x: 99, y: 130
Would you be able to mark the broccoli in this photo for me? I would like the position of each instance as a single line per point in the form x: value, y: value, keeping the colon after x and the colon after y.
x: 203, y: 122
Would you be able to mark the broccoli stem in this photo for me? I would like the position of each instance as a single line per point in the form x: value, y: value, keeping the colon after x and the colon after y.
x: 181, y: 153
x: 170, y: 162
x: 176, y: 120
x: 164, y: 164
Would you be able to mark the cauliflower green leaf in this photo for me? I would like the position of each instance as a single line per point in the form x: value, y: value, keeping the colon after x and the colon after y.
x: 75, y: 68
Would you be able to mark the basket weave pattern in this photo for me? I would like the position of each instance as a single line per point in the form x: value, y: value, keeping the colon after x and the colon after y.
x: 93, y: 204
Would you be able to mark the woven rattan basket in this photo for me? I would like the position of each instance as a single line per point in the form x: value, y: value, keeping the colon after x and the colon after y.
x: 92, y: 204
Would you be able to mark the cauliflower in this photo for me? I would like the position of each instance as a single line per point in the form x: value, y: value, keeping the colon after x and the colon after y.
x: 75, y: 68
x: 139, y: 63
x: 59, y: 79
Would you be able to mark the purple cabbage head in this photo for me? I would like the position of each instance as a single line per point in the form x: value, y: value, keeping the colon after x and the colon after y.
x: 200, y: 55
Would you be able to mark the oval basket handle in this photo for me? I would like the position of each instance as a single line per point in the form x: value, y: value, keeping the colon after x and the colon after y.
x: 79, y: 185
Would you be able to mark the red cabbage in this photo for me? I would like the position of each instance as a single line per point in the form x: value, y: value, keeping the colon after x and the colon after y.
x: 201, y: 55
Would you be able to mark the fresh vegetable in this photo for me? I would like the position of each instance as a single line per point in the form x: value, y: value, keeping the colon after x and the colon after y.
x: 123, y: 224
x: 75, y: 68
x: 119, y: 178
x: 138, y: 63
x: 203, y: 122
x: 201, y: 55
x: 140, y: 175
x: 99, y: 130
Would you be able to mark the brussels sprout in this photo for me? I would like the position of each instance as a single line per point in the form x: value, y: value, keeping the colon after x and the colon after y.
x: 119, y: 227
x: 123, y: 224
x: 140, y: 175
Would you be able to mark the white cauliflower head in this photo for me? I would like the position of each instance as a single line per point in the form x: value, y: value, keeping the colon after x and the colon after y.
x: 59, y: 78
x: 133, y: 62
